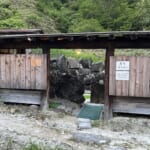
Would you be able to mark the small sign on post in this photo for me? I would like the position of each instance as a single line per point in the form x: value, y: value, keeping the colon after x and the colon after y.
x: 122, y: 75
x: 122, y: 65
x: 122, y: 70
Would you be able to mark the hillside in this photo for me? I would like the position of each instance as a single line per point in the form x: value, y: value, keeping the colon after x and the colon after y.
x: 24, y: 14
x: 75, y: 15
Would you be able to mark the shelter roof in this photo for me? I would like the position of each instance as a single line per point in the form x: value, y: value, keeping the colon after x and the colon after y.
x: 117, y: 39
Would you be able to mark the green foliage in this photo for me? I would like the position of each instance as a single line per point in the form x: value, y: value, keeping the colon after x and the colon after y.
x: 92, y: 16
x: 94, y: 55
x: 86, y: 25
x: 76, y: 15
x: 9, y: 18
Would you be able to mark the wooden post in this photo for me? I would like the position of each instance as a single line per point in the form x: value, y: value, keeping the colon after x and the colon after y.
x: 44, y: 103
x: 107, y: 99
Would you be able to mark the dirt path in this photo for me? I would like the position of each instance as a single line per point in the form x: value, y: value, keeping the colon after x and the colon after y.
x: 22, y: 125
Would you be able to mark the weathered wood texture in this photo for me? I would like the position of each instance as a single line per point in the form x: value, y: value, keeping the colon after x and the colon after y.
x: 21, y: 96
x: 134, y: 105
x: 138, y: 84
x: 23, y: 71
x: 107, y: 99
x: 45, y: 96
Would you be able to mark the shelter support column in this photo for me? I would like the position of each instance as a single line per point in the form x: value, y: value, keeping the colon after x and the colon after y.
x: 107, y: 99
x: 45, y: 98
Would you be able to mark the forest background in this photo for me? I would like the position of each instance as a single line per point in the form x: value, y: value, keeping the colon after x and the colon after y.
x: 75, y: 15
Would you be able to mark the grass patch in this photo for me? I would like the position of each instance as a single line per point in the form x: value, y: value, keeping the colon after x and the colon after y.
x: 54, y: 104
x: 33, y: 146
x: 96, y: 123
x: 87, y: 96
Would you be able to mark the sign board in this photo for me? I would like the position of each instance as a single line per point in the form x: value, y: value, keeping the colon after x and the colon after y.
x: 122, y: 75
x: 122, y: 65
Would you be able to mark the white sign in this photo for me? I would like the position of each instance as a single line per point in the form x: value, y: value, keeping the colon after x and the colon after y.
x: 122, y: 75
x: 122, y: 65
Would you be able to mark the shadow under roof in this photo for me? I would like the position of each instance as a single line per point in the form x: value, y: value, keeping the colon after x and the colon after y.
x: 35, y: 38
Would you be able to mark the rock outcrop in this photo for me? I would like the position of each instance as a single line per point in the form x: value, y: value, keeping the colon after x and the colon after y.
x: 69, y: 77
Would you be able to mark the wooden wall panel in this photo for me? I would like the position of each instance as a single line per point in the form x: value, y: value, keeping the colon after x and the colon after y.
x: 134, y: 105
x: 138, y: 84
x: 23, y: 71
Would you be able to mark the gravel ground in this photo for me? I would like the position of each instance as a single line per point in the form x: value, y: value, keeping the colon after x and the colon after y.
x: 22, y: 125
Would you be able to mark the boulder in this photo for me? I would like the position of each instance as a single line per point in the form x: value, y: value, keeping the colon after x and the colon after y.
x: 70, y: 88
x: 73, y: 63
x: 62, y: 63
x: 86, y: 63
x: 68, y: 77
x: 90, y: 138
x: 97, y: 67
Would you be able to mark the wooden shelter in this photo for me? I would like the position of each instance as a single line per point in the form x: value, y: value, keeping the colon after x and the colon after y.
x: 106, y: 40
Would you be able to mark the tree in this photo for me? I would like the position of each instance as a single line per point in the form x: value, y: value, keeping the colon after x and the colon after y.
x: 9, y: 18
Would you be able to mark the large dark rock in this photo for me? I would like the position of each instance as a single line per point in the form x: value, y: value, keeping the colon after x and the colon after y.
x: 62, y: 63
x: 86, y: 63
x: 70, y: 88
x: 66, y: 83
x: 69, y: 77
x: 97, y: 67
x: 73, y: 63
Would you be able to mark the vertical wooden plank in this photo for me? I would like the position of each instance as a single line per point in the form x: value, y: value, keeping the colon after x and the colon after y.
x: 45, y: 70
x: 112, y: 80
x: 18, y: 71
x: 12, y: 70
x: 125, y: 83
x: 22, y: 67
x: 8, y: 71
x: 33, y: 71
x: 39, y: 72
x: 3, y: 75
x: 132, y: 75
x: 107, y: 99
x: 28, y: 72
x: 139, y: 77
x: 146, y: 77
x: 137, y: 80
x: 118, y: 82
